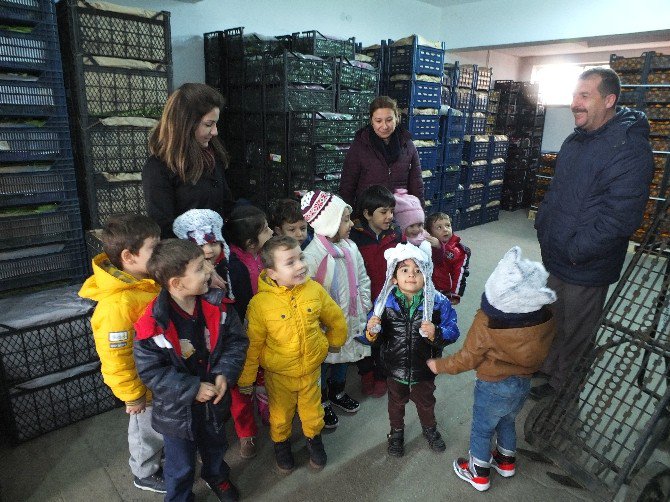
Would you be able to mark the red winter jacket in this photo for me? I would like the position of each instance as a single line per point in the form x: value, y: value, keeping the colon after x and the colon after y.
x: 364, y: 166
x: 372, y: 249
x: 450, y: 267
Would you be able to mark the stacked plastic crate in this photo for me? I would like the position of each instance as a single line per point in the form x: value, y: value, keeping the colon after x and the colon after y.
x: 118, y: 63
x: 543, y: 177
x: 645, y: 85
x: 492, y: 111
x: 415, y: 82
x: 41, y: 238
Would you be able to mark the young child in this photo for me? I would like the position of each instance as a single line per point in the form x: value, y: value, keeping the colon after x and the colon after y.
x: 411, y: 323
x: 121, y: 285
x: 247, y: 230
x: 189, y: 350
x: 410, y: 218
x: 204, y: 227
x: 374, y: 233
x: 507, y: 342
x: 287, y: 219
x: 284, y: 325
x: 335, y: 262
x: 451, y: 259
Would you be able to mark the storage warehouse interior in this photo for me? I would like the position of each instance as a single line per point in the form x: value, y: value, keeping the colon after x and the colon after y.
x: 484, y: 88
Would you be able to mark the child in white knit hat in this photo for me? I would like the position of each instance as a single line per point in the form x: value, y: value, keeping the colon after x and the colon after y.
x: 335, y: 262
x: 507, y: 342
x: 411, y: 323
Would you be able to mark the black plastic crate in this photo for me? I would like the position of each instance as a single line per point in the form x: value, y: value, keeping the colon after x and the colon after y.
x: 31, y: 95
x: 93, y: 243
x: 34, y: 49
x: 424, y: 127
x: 111, y: 92
x: 511, y: 200
x: 32, y: 225
x: 102, y: 32
x: 415, y: 58
x: 299, y: 99
x: 324, y: 127
x: 108, y: 198
x: 114, y: 149
x: 357, y: 75
x: 317, y: 159
x: 42, y: 264
x: 313, y: 42
x: 350, y: 101
x: 240, y: 46
x: 33, y: 412
x: 215, y: 60
x: 416, y: 93
x: 35, y: 183
x: 26, y: 140
x: 293, y: 68
x: 43, y: 349
x: 507, y: 86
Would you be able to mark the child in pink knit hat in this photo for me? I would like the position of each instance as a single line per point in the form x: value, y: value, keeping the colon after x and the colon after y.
x: 410, y: 218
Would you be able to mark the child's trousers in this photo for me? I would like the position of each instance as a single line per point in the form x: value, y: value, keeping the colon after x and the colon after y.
x: 242, y: 411
x: 179, y: 468
x: 145, y: 445
x: 288, y: 394
x: 422, y: 394
x: 494, y: 412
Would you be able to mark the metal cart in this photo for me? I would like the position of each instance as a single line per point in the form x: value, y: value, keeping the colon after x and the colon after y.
x: 608, y: 426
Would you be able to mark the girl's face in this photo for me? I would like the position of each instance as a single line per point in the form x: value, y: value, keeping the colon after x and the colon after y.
x: 384, y: 122
x: 263, y: 236
x: 345, y: 226
x: 414, y: 230
x: 206, y: 129
x: 212, y: 251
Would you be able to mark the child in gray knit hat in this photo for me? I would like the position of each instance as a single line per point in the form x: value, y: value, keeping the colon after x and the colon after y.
x: 507, y: 342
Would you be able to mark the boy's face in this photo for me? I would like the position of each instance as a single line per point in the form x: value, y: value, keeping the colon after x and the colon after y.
x: 380, y: 219
x: 345, y: 226
x: 414, y: 230
x: 297, y: 230
x: 408, y: 277
x: 136, y: 264
x: 195, y: 280
x: 290, y: 268
x: 212, y: 251
x: 441, y: 229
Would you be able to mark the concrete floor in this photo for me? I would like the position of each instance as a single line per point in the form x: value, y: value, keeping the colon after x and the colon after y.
x: 89, y: 460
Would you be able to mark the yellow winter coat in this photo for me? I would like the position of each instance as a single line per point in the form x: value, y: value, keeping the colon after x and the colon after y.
x: 284, y: 329
x: 121, y: 299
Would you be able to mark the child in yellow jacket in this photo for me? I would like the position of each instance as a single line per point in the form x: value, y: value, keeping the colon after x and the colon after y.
x: 284, y: 321
x: 121, y: 286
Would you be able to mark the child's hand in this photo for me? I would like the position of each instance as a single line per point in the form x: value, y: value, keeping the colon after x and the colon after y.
x: 373, y: 328
x: 454, y: 299
x: 134, y: 409
x: 428, y: 330
x: 206, y: 392
x: 216, y: 281
x: 221, y: 386
x: 432, y: 364
x: 434, y: 241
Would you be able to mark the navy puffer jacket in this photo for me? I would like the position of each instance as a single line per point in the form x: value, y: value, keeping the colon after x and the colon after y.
x: 596, y: 200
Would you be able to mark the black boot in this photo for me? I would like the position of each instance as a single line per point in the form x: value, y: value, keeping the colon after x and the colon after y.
x: 396, y: 439
x: 317, y: 453
x: 284, y: 456
x: 330, y: 420
x: 434, y: 438
x: 340, y: 398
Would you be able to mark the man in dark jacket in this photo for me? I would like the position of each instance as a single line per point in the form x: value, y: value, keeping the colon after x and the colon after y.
x: 595, y: 202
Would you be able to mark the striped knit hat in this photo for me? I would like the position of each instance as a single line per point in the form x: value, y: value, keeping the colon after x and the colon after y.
x: 323, y: 211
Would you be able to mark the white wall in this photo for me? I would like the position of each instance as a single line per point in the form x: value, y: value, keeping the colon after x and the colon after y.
x: 505, y: 67
x: 369, y: 21
x: 493, y: 22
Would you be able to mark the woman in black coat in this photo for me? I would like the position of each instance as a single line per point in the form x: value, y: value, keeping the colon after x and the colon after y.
x: 187, y: 163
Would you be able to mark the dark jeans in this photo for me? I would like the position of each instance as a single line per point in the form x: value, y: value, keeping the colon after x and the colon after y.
x: 421, y: 394
x: 576, y: 313
x: 494, y: 412
x: 179, y: 468
x: 371, y: 363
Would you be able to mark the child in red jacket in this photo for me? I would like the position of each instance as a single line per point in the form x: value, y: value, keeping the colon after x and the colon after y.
x: 451, y: 259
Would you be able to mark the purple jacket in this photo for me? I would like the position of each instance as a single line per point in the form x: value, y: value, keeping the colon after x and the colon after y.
x: 365, y: 166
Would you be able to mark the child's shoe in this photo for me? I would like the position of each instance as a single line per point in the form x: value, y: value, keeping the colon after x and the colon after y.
x: 396, y: 439
x: 340, y: 398
x: 368, y: 383
x: 380, y: 388
x: 225, y: 491
x: 504, y: 464
x: 317, y: 453
x: 434, y: 438
x: 284, y: 456
x: 248, y: 447
x: 477, y: 476
x: 154, y: 483
x: 330, y: 419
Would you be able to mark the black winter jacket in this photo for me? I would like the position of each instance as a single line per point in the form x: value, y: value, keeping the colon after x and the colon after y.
x: 596, y: 200
x: 167, y: 196
x: 162, y: 369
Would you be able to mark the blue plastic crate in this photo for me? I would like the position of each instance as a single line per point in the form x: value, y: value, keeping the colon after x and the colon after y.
x: 490, y: 213
x: 473, y: 173
x: 457, y: 220
x: 475, y: 124
x: 450, y: 74
x: 428, y: 157
x: 454, y: 124
x: 450, y: 181
x: 38, y: 183
x: 431, y: 186
x: 446, y: 95
x: 479, y: 101
x: 498, y: 147
x: 472, y: 218
x: 461, y: 99
x: 38, y: 97
x: 425, y: 127
x: 415, y: 93
x: 453, y: 151
x: 472, y: 196
x: 495, y: 171
x: 458, y: 197
x: 36, y: 49
x: 416, y: 58
x: 29, y: 141
x: 25, y: 12
x: 493, y: 192
x: 448, y: 205
x: 475, y: 148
